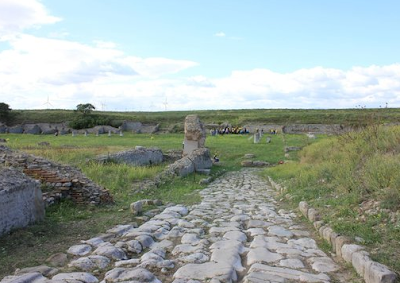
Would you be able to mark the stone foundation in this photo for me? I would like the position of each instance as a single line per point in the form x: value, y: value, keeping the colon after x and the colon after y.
x: 61, y: 181
x: 21, y: 200
x: 199, y: 159
x: 139, y: 156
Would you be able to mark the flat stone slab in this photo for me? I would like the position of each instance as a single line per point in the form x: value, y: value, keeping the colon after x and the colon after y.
x: 206, y: 271
x: 80, y: 250
x: 262, y: 255
x: 83, y: 277
x: 130, y: 275
x: 110, y: 251
x: 91, y: 262
x: 34, y: 277
x: 279, y: 231
x: 288, y: 273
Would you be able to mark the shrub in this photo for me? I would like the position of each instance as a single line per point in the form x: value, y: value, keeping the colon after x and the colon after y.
x: 89, y: 121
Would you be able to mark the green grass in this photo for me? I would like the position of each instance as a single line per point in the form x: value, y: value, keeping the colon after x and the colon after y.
x: 341, y: 176
x: 66, y: 223
x: 167, y: 119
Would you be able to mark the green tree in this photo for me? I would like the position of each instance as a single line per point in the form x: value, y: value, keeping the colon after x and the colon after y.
x: 4, y: 111
x: 85, y: 109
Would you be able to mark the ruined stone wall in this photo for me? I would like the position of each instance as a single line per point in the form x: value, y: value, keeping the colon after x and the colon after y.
x: 21, y: 200
x: 62, y: 128
x: 197, y: 160
x: 313, y: 128
x: 139, y: 156
x: 61, y: 181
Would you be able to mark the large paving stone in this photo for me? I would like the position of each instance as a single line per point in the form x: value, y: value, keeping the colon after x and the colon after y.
x: 75, y: 277
x: 289, y: 274
x: 262, y: 255
x: 130, y: 275
x: 205, y: 271
x: 80, y: 250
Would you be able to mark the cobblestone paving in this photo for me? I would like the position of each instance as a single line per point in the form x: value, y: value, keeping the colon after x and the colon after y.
x: 236, y: 234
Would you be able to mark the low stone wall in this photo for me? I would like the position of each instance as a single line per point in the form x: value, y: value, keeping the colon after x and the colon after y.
x: 199, y: 159
x: 313, y: 128
x: 61, y: 181
x: 139, y: 156
x: 63, y: 128
x: 21, y: 200
x: 369, y: 270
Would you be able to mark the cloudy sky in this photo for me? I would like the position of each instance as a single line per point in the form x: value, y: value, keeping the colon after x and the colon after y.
x: 155, y: 55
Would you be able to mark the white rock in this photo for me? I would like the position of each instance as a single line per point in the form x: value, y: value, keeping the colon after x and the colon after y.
x: 292, y: 263
x: 205, y: 271
x: 323, y: 264
x: 130, y: 275
x: 120, y: 229
x: 279, y: 231
x: 348, y: 250
x: 110, y: 251
x: 75, y: 276
x: 34, y: 277
x: 304, y: 243
x: 236, y: 235
x: 182, y: 210
x: 80, y: 250
x: 134, y: 246
x: 191, y: 239
x: 262, y: 255
x: 195, y: 258
x: 145, y: 240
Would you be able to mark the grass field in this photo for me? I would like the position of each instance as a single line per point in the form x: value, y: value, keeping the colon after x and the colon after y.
x: 351, y: 179
x: 66, y: 223
x: 169, y: 119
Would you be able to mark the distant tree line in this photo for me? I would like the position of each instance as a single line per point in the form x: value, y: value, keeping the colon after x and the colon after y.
x: 86, y: 119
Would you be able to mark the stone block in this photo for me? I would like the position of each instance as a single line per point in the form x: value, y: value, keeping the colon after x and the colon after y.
x: 348, y: 250
x: 326, y: 234
x: 318, y: 224
x: 21, y: 201
x: 321, y: 231
x: 339, y: 242
x: 303, y: 206
x: 334, y: 235
x: 360, y: 260
x: 313, y: 215
x: 189, y: 146
x: 378, y: 273
x: 195, y: 134
x: 136, y: 207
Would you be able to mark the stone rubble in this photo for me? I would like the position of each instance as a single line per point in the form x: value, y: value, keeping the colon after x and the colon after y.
x: 236, y: 234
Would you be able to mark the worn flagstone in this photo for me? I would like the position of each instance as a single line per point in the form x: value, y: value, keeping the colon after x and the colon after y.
x: 237, y: 233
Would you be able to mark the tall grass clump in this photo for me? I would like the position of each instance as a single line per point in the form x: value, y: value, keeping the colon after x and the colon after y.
x: 353, y: 180
x: 118, y: 178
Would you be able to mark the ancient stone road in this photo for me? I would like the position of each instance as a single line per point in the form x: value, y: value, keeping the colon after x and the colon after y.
x: 236, y: 234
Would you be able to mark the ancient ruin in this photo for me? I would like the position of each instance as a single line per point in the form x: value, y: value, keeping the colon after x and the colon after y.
x: 198, y: 159
x: 61, y: 181
x: 21, y: 200
x: 139, y: 156
x: 195, y: 134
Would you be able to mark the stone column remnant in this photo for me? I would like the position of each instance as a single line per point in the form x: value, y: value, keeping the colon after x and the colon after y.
x: 195, y: 134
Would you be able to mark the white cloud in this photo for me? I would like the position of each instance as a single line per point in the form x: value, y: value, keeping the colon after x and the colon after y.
x: 16, y: 15
x: 68, y: 71
x: 220, y: 34
x: 34, y: 68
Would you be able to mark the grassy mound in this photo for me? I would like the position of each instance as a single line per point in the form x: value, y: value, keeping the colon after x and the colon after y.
x: 354, y: 181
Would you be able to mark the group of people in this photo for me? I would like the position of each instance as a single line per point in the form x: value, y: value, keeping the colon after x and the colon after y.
x: 229, y: 130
